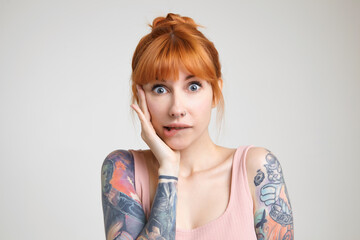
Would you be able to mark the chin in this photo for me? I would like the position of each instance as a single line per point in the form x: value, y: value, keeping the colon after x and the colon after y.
x: 177, y: 145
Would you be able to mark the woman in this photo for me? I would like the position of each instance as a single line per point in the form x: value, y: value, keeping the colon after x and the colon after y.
x: 196, y: 189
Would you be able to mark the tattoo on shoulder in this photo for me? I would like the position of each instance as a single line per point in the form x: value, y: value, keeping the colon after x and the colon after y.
x: 273, y: 169
x: 259, y: 177
x: 118, y: 172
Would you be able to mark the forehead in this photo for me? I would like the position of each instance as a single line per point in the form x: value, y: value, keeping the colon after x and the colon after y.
x: 181, y: 77
x: 179, y: 73
x: 174, y: 70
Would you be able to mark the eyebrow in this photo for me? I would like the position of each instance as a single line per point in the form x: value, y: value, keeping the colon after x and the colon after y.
x: 187, y: 78
x: 190, y: 76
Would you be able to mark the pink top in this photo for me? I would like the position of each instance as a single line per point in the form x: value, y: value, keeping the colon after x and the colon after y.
x: 237, y: 222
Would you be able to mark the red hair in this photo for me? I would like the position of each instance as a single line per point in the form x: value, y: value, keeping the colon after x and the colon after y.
x: 175, y: 42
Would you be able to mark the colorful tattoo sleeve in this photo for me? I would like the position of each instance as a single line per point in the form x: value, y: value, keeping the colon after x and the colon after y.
x: 273, y: 217
x: 124, y: 216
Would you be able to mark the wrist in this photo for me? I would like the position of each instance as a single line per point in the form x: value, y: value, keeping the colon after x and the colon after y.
x: 168, y: 171
x: 167, y: 177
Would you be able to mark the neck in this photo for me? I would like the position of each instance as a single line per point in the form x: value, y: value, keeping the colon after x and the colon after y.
x: 199, y: 156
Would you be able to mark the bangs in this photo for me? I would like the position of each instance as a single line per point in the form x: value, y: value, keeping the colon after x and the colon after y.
x: 175, y: 44
x: 163, y: 58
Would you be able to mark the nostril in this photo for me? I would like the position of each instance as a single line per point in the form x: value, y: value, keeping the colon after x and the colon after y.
x: 178, y: 114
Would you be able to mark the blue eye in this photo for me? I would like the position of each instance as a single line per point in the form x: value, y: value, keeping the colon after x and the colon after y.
x: 161, y: 89
x: 195, y: 86
x: 158, y: 89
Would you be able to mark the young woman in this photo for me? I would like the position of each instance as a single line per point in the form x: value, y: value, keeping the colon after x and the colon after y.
x: 196, y: 189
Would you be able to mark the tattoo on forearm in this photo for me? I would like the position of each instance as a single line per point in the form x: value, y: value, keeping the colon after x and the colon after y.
x: 162, y: 220
x: 273, y: 194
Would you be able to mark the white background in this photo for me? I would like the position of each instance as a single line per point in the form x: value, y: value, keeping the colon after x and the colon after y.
x: 291, y: 83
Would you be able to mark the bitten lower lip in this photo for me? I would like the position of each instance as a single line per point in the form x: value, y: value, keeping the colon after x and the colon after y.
x: 173, y: 131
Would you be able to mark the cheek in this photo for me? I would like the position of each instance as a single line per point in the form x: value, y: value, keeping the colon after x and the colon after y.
x: 202, y: 107
x: 156, y: 108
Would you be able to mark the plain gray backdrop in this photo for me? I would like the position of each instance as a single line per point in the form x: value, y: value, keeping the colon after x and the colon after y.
x: 291, y: 74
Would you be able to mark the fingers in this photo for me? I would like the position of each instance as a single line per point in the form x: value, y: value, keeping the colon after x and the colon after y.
x: 139, y: 113
x: 142, y: 102
x: 142, y: 111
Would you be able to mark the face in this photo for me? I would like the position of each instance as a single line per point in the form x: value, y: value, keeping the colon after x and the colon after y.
x: 174, y: 105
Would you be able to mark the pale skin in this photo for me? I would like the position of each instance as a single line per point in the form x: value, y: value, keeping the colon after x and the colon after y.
x: 189, y: 155
x: 273, y: 218
x: 176, y: 97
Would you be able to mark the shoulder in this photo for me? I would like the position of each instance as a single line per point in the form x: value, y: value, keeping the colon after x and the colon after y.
x: 259, y: 162
x: 117, y: 170
x: 255, y: 157
x: 258, y: 158
x: 119, y: 156
x: 119, y: 159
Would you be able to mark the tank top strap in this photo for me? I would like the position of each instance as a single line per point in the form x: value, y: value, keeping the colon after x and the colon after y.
x: 142, y: 180
x: 240, y: 182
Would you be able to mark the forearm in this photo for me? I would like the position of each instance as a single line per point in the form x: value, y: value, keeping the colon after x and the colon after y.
x: 162, y: 221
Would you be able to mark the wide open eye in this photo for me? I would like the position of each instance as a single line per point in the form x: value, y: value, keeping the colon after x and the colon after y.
x: 195, y: 86
x: 158, y: 89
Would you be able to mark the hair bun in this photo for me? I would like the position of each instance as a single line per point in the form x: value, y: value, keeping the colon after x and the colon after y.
x: 173, y: 19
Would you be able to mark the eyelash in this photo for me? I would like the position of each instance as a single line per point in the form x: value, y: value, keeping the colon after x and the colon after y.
x: 191, y: 83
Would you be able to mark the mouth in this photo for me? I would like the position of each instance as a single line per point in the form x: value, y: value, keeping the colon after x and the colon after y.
x: 172, y: 131
x: 176, y: 128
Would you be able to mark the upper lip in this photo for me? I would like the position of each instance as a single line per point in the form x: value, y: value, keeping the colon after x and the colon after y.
x: 177, y: 125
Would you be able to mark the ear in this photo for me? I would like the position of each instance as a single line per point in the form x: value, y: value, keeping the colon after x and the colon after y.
x: 220, y: 84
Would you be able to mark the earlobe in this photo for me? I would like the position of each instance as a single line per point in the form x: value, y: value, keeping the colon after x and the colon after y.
x: 220, y: 83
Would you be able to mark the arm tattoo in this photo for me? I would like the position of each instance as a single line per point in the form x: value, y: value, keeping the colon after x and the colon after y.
x: 273, y: 219
x: 162, y: 220
x: 259, y: 177
x: 124, y: 216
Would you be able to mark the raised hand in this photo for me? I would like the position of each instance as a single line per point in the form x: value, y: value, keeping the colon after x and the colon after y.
x: 169, y: 159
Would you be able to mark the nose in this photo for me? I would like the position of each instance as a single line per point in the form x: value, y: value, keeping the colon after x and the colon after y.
x: 177, y: 115
x: 177, y: 108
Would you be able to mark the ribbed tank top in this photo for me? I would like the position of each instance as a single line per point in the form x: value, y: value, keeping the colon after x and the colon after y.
x: 237, y: 222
